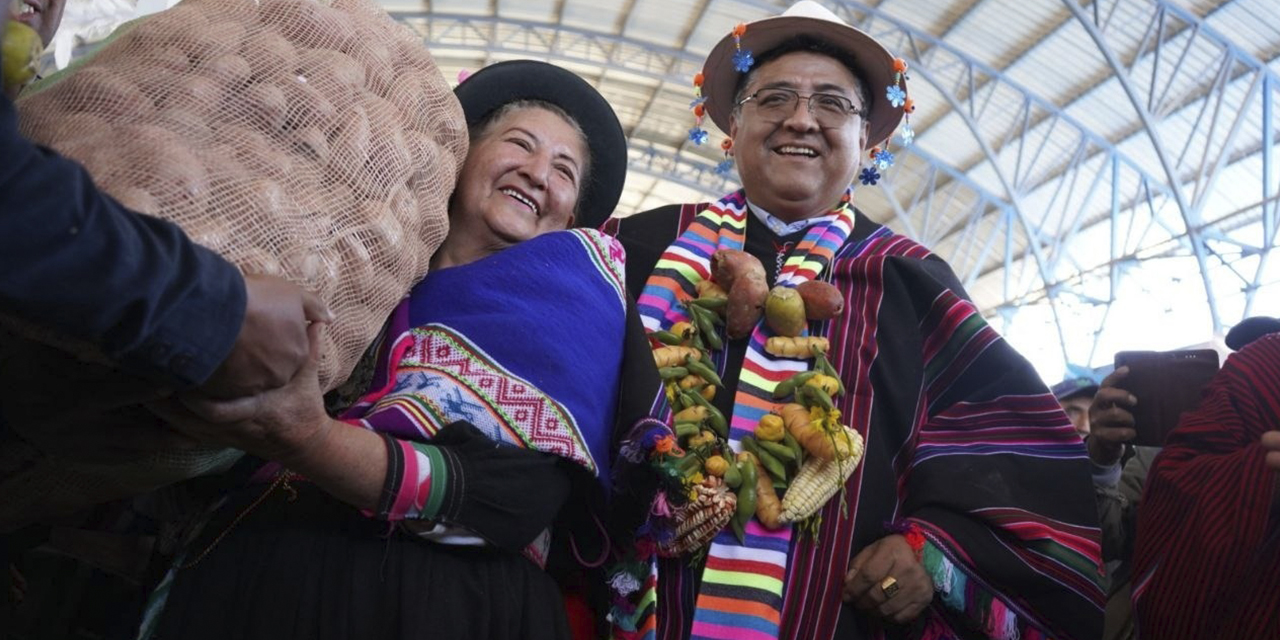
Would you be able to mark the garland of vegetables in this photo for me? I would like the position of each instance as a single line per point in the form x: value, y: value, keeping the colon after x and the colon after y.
x: 799, y: 455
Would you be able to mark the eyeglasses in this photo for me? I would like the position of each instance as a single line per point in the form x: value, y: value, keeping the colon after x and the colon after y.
x: 829, y: 110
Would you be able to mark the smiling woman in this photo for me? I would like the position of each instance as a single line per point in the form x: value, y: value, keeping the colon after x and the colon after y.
x: 522, y: 178
x: 467, y: 438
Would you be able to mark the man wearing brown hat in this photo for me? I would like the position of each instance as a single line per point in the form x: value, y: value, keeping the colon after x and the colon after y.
x: 970, y: 514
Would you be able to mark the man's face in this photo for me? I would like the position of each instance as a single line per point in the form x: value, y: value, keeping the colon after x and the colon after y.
x: 42, y: 15
x: 793, y: 167
x: 1077, y: 409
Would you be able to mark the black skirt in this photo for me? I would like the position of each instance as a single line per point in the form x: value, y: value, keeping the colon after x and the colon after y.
x: 316, y: 568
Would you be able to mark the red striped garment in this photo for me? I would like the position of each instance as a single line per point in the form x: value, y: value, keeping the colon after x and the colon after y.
x: 1207, y: 553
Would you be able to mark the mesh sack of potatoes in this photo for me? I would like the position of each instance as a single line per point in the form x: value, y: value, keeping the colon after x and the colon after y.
x: 313, y: 139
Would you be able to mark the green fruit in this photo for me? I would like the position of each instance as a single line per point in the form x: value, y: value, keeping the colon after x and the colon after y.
x: 22, y: 49
x: 784, y: 311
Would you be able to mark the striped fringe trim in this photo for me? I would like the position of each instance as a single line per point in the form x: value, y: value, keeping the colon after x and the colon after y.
x: 958, y: 593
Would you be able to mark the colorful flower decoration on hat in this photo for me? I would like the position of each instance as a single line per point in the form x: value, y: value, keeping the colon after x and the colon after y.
x: 897, y: 97
x: 906, y: 134
x: 697, y: 134
x: 883, y: 160
x: 869, y: 176
x: 742, y: 58
x: 725, y: 167
x: 896, y: 94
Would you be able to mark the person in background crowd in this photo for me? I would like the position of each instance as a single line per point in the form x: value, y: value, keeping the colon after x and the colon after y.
x: 1076, y: 395
x: 948, y: 527
x: 1119, y: 471
x: 1206, y: 560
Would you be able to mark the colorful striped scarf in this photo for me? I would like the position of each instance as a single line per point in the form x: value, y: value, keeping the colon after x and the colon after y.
x: 742, y: 584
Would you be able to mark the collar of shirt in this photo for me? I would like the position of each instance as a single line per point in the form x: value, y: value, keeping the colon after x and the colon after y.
x: 783, y: 229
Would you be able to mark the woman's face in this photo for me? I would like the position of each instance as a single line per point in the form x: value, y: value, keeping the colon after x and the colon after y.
x: 521, y: 178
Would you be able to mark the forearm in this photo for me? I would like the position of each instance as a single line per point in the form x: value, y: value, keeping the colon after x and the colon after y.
x: 348, y: 462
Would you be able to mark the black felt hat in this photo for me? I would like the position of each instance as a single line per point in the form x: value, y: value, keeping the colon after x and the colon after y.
x: 1251, y: 329
x: 504, y: 82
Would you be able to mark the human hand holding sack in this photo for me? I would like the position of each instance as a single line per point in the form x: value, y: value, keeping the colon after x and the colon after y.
x: 272, y: 345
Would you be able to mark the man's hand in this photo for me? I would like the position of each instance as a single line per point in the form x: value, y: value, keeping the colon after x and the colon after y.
x: 888, y: 557
x: 278, y: 424
x: 272, y: 345
x: 1112, y: 423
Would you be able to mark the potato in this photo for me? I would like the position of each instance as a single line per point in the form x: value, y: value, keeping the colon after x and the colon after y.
x: 48, y: 127
x: 377, y: 60
x: 186, y: 123
x: 311, y: 143
x: 262, y: 106
x: 269, y: 54
x: 258, y: 261
x: 746, y: 305
x: 410, y: 94
x: 317, y: 269
x: 217, y: 39
x: 822, y: 300
x: 197, y: 94
x: 229, y: 70
x: 259, y: 154
x: 340, y: 201
x: 728, y: 264
x: 350, y: 142
x: 103, y: 92
x: 307, y: 107
x: 333, y: 73
x: 167, y: 58
x: 214, y: 233
x: 744, y: 277
x: 308, y: 24
x: 157, y: 160
x: 170, y: 28
x: 435, y: 170
x: 137, y: 199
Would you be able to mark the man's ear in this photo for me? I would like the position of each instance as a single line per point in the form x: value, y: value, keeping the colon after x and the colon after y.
x: 862, y: 139
x: 572, y: 219
x: 733, y: 124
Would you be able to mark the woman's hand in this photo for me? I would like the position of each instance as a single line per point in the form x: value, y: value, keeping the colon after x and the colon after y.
x: 887, y: 580
x: 278, y: 424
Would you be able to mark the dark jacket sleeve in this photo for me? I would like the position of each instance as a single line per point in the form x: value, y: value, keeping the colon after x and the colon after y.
x: 80, y: 271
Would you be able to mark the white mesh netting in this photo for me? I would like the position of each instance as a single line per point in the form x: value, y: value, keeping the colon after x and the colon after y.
x: 311, y: 139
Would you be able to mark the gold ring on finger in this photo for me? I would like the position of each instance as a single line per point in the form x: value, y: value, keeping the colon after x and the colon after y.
x: 890, y: 587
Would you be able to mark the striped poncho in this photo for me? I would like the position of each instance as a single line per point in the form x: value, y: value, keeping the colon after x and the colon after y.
x: 962, y: 439
x: 1206, y: 561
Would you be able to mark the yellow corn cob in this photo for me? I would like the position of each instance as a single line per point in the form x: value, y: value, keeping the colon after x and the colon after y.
x: 785, y: 347
x: 674, y: 356
x: 817, y: 481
